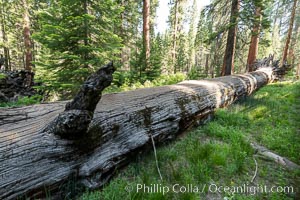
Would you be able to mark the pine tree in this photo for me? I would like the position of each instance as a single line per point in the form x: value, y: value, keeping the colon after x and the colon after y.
x: 202, y: 43
x: 146, y: 32
x: 289, y: 34
x: 228, y: 65
x: 176, y: 21
x: 12, y: 23
x: 129, y: 33
x: 27, y: 35
x: 79, y: 36
x: 192, y: 36
x: 293, y: 50
x: 217, y: 16
x: 3, y: 16
x: 258, y: 17
x: 253, y: 49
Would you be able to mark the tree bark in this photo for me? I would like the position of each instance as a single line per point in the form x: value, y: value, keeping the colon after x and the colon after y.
x: 27, y: 41
x: 146, y: 31
x: 228, y: 63
x: 253, y: 49
x: 290, y: 30
x: 34, y: 162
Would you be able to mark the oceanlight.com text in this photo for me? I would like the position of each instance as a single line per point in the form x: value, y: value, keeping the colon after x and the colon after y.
x: 208, y: 188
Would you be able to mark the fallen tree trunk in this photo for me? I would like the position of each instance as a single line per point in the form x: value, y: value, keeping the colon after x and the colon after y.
x: 267, y: 154
x: 35, y: 162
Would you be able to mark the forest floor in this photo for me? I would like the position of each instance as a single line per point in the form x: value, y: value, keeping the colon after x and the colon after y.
x: 216, y: 161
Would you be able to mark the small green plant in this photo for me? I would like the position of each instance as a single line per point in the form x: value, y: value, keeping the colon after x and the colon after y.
x: 159, y: 81
x: 2, y: 75
x: 24, y: 101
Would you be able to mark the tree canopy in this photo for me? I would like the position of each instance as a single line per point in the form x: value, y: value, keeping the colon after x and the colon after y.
x: 63, y: 41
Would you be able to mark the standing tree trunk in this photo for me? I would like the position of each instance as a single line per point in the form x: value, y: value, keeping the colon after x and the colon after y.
x: 86, y: 35
x: 290, y: 30
x: 228, y: 63
x: 206, y: 64
x: 253, y: 49
x: 215, y: 63
x: 291, y: 54
x: 4, y: 38
x: 298, y: 71
x: 294, y: 45
x: 27, y: 41
x: 122, y: 34
x: 175, y: 35
x: 146, y: 31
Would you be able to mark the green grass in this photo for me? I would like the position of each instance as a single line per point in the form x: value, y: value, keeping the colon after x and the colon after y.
x: 220, y: 152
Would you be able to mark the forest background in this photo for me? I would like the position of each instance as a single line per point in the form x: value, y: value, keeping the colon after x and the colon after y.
x: 63, y: 41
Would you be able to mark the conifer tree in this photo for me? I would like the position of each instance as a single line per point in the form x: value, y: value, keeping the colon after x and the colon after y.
x: 146, y: 32
x: 228, y: 62
x: 289, y: 34
x: 79, y: 35
x: 27, y: 37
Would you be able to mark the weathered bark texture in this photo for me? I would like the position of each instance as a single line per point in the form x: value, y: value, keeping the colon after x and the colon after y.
x: 33, y: 161
x: 228, y: 63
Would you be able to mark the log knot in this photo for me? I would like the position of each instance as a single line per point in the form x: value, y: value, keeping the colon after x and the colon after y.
x: 70, y: 124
